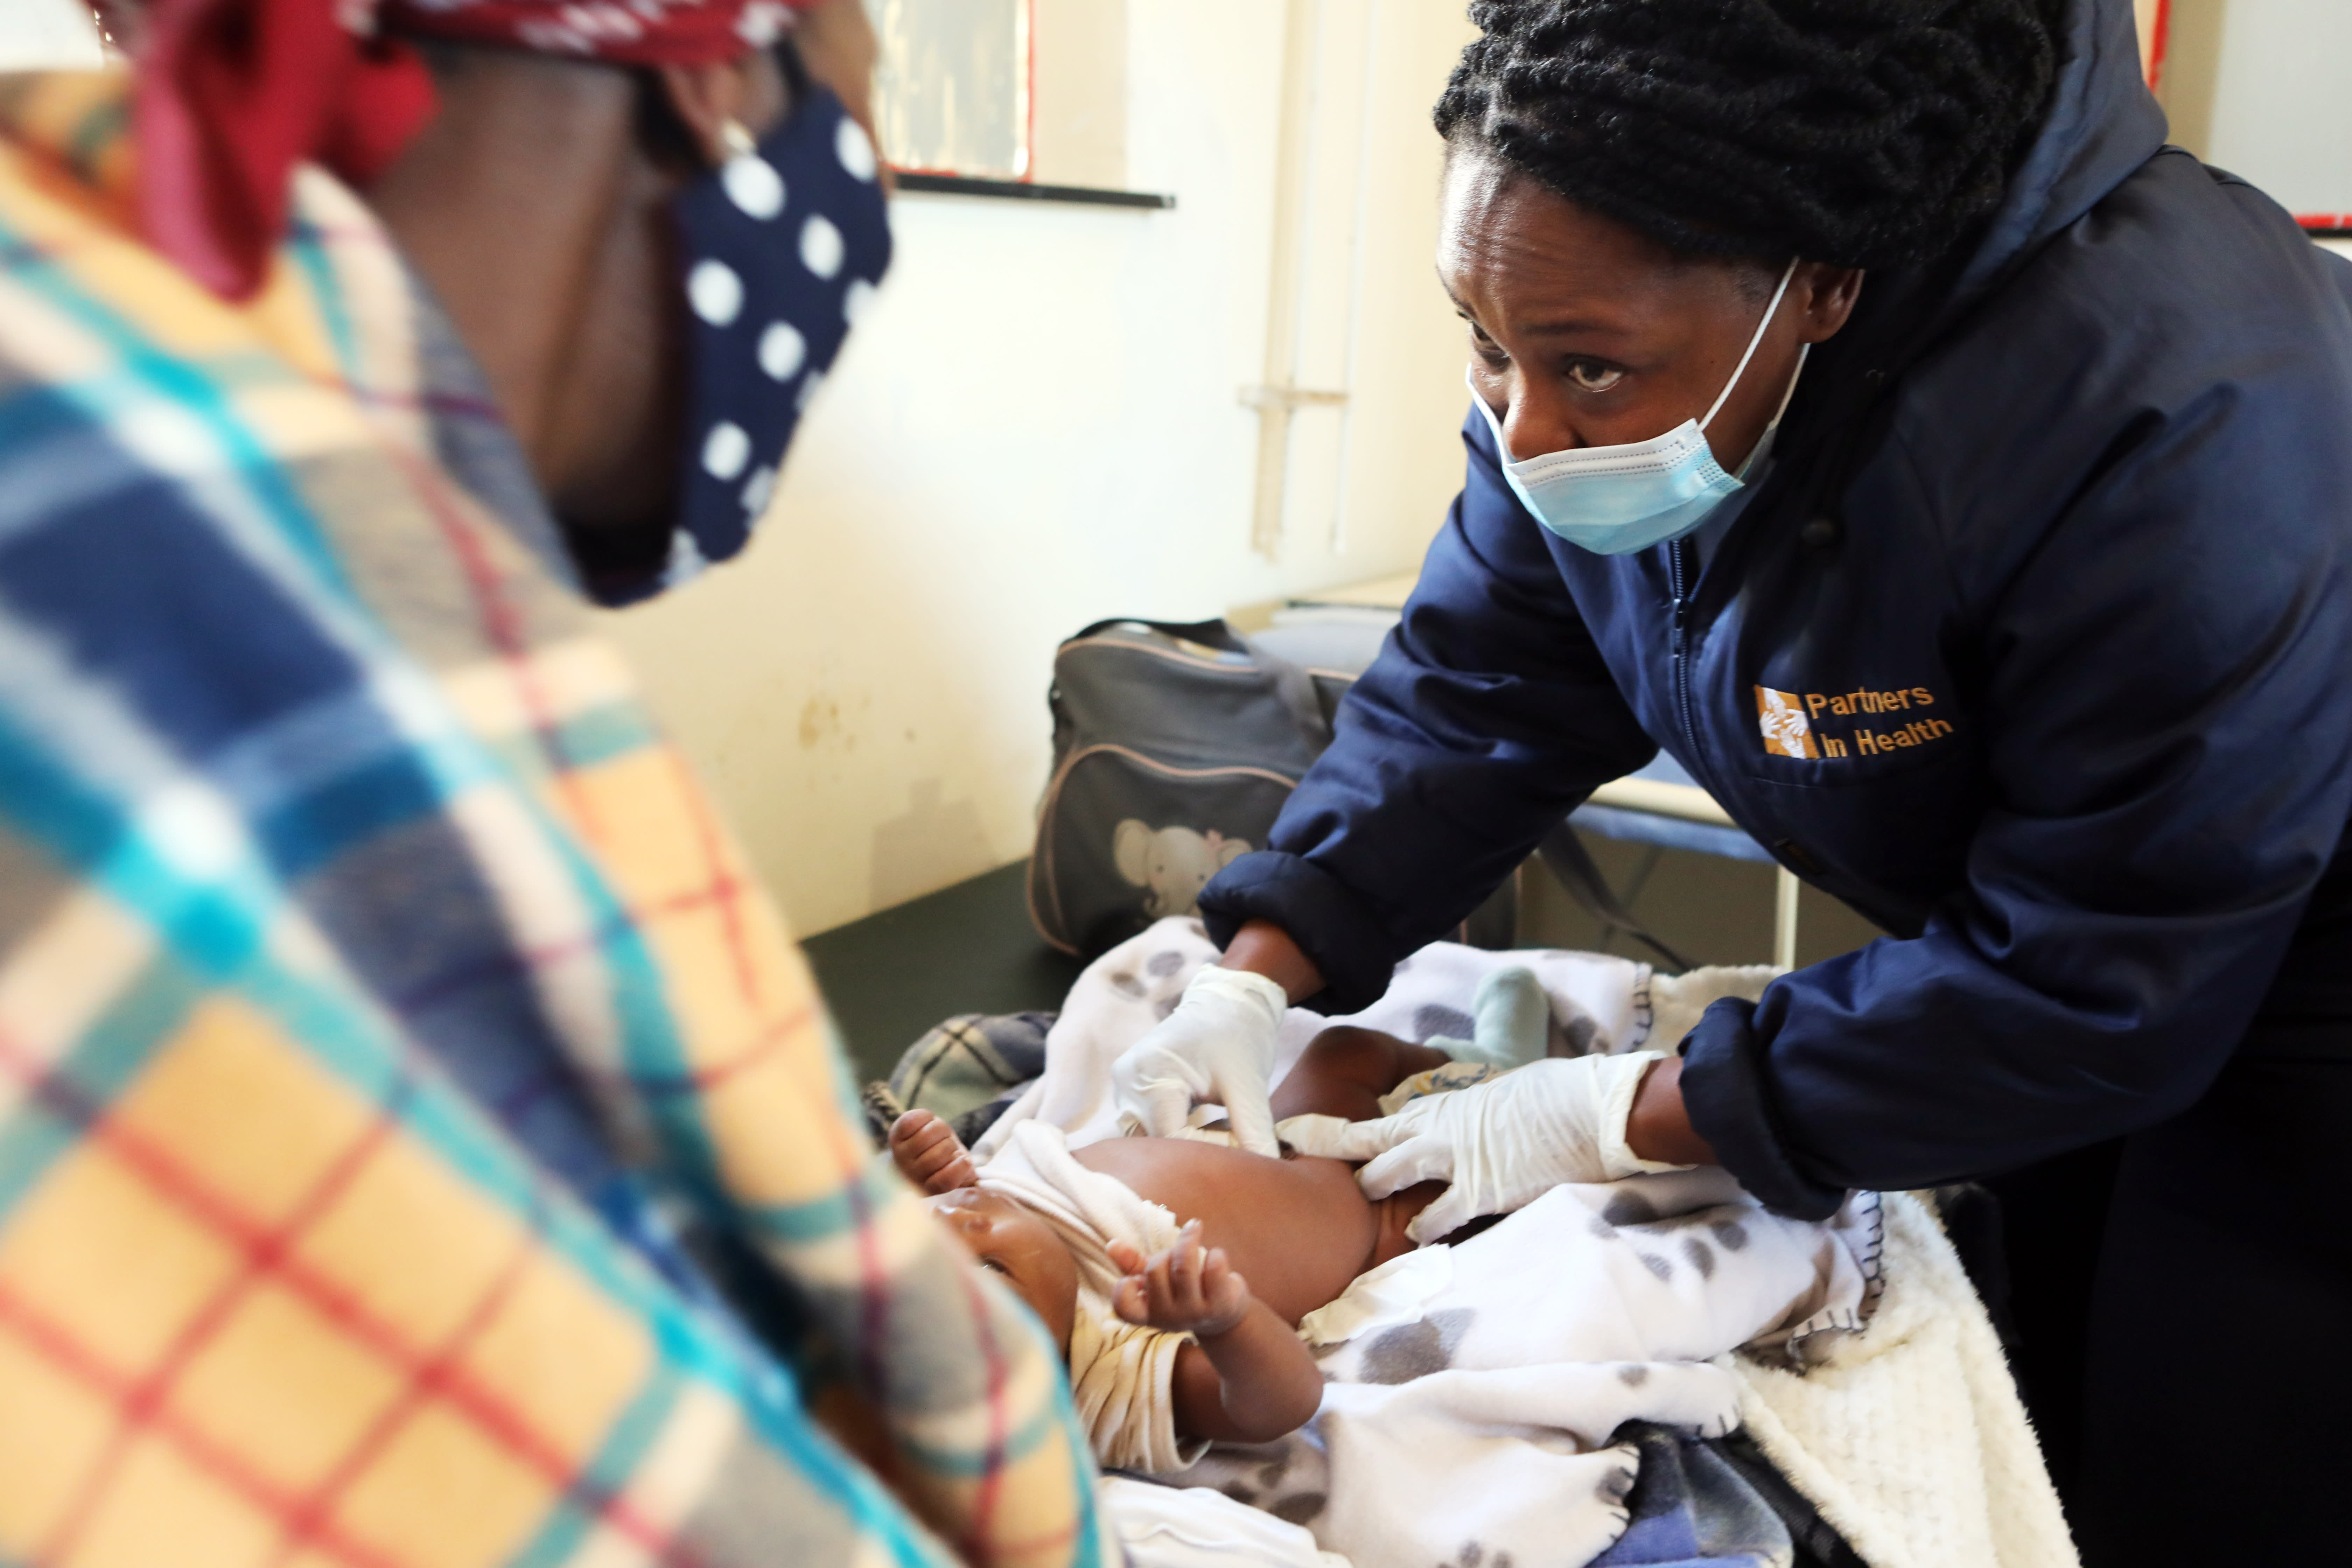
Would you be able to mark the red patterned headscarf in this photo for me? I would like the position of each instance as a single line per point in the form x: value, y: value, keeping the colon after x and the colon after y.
x: 232, y: 94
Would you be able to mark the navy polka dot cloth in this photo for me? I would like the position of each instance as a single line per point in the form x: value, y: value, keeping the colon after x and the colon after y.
x: 784, y: 247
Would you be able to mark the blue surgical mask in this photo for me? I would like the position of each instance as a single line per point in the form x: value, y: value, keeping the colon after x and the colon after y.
x: 1613, y: 501
x: 783, y: 244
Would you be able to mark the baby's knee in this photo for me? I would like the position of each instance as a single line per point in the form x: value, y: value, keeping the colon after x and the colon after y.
x: 1357, y: 1054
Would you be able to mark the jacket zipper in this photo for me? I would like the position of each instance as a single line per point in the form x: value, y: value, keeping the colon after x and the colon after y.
x: 1679, y: 560
x: 1678, y: 644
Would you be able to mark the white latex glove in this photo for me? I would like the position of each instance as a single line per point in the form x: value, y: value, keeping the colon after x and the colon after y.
x: 1218, y: 1045
x: 1501, y: 1144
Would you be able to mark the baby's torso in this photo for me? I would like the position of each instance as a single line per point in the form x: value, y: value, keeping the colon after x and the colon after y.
x: 1298, y: 1230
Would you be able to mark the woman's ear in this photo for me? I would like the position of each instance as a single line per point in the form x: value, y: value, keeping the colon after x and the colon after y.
x: 1825, y: 299
x: 747, y: 91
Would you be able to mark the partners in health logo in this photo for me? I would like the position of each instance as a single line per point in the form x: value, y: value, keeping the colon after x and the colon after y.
x: 1785, y: 720
x: 1787, y: 731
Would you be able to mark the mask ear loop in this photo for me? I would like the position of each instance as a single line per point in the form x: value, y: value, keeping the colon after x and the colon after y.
x: 1753, y: 344
x: 1789, y: 396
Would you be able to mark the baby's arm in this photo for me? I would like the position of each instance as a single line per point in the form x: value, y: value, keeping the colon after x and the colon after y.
x: 928, y: 1153
x: 1248, y: 1378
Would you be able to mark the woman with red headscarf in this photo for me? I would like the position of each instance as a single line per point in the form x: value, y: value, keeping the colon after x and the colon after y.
x: 392, y: 1044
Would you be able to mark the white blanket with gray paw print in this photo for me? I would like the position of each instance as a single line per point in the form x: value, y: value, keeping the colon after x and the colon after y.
x: 1473, y: 1395
x: 1472, y: 1390
x: 1598, y: 1003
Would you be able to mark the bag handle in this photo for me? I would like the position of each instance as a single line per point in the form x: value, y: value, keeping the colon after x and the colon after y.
x: 1565, y: 857
x: 1210, y: 633
x: 1293, y: 686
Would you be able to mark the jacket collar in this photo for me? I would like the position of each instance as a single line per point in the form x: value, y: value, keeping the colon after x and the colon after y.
x: 2101, y: 124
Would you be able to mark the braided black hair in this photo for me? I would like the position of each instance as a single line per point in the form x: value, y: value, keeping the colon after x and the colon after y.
x: 1856, y: 132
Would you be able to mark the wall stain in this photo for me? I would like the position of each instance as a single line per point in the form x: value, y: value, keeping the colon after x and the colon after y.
x: 823, y: 722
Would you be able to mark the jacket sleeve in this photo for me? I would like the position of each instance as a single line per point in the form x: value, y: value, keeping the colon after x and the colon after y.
x: 1487, y: 716
x: 2169, y: 743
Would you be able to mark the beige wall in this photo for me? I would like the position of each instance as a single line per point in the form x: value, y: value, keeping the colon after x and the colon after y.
x: 2257, y: 88
x: 2145, y: 12
x: 48, y: 35
x: 1038, y: 425
x: 1078, y: 122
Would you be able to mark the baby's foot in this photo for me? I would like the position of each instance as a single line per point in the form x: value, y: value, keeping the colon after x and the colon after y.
x: 929, y: 1155
x: 1512, y: 1020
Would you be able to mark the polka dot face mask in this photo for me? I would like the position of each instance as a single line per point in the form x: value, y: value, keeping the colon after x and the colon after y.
x: 784, y: 244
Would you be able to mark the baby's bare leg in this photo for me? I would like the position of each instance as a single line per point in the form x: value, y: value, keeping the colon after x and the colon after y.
x: 1345, y: 1071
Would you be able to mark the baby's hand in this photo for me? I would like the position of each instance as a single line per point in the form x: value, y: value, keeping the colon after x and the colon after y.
x: 929, y: 1155
x: 1185, y: 1289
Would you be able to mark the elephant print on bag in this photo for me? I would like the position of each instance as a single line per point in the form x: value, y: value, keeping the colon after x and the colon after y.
x: 1172, y: 864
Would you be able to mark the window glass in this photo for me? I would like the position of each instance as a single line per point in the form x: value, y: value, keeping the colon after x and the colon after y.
x: 952, y: 94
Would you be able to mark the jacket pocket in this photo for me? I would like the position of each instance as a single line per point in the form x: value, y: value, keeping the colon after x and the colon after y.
x: 1891, y: 838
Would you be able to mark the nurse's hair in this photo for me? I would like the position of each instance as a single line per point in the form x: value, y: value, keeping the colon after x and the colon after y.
x: 1855, y: 132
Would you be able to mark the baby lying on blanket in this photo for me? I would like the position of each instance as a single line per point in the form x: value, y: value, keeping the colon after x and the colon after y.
x: 1189, y: 1332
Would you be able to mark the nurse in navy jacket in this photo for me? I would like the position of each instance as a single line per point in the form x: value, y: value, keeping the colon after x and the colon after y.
x: 2004, y: 597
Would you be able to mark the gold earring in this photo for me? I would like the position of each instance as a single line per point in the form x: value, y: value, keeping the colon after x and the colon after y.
x: 735, y: 138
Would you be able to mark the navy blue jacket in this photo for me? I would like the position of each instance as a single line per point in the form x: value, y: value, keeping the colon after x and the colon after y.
x: 2047, y: 599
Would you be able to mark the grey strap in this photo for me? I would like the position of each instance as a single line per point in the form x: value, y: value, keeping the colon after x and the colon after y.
x: 1565, y: 857
x: 1293, y: 686
x: 1296, y: 688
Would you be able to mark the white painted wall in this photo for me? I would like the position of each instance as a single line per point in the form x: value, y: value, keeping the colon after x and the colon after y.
x: 2282, y: 111
x: 1038, y: 426
x: 48, y: 35
x: 2256, y: 87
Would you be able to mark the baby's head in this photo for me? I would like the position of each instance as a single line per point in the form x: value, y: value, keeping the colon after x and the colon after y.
x: 1002, y: 1233
x: 1009, y: 1238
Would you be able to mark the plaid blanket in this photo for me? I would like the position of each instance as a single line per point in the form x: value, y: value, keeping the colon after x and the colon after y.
x: 377, y: 992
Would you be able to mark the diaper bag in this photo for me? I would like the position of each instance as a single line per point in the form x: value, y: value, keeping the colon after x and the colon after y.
x: 1175, y: 746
